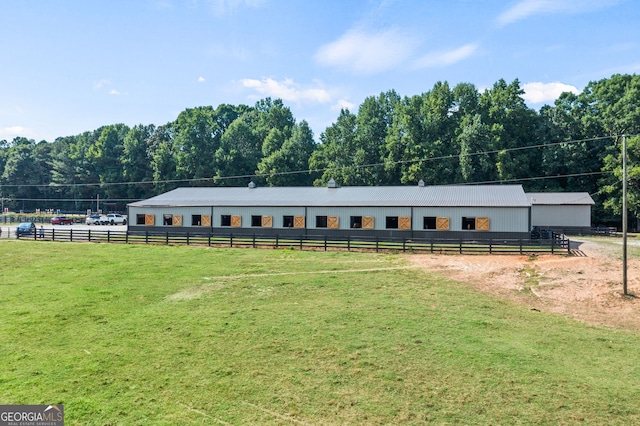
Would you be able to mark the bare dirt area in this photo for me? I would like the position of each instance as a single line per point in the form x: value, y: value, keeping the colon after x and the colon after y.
x: 587, y: 286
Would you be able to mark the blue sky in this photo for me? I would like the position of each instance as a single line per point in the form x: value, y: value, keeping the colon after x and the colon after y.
x: 68, y: 66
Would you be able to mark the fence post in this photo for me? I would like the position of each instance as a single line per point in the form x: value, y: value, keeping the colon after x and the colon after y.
x: 276, y: 241
x: 230, y: 240
x: 568, y: 246
x: 325, y: 243
x: 70, y: 234
x: 521, y: 246
x: 187, y: 237
x: 404, y: 245
x: 126, y: 237
x: 209, y: 240
x: 553, y: 240
x: 166, y: 237
x: 254, y: 240
x: 53, y: 234
x: 300, y: 242
x: 376, y: 244
x: 146, y: 237
x: 461, y: 246
x: 349, y: 243
x: 490, y: 246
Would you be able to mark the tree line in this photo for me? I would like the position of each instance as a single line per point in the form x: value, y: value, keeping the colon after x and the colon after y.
x: 446, y: 135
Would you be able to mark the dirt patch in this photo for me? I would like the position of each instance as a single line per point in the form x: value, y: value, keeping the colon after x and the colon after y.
x: 587, y: 287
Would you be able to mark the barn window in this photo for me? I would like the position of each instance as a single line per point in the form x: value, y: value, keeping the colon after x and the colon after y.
x: 167, y: 219
x: 287, y: 221
x: 321, y: 221
x: 392, y: 222
x: 429, y: 222
x: 468, y: 223
x: 225, y: 220
x: 356, y: 222
x: 256, y: 220
x: 196, y: 220
x: 140, y: 219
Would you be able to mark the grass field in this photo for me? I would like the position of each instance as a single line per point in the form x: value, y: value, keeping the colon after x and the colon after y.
x: 173, y: 335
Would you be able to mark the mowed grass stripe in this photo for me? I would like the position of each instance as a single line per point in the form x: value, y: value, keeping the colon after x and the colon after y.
x: 290, y: 337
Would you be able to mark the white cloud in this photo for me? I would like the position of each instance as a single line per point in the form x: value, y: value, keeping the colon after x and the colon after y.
x: 367, y: 53
x: 226, y: 7
x: 343, y: 104
x: 9, y: 133
x: 101, y: 83
x: 526, y: 8
x: 538, y: 92
x: 114, y: 92
x: 201, y: 79
x: 286, y: 90
x: 449, y: 57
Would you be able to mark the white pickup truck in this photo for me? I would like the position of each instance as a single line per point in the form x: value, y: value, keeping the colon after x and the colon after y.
x: 116, y: 219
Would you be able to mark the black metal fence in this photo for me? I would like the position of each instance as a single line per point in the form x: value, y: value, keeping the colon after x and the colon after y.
x: 557, y: 244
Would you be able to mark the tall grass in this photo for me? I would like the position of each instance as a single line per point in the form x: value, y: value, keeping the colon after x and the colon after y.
x: 164, y: 335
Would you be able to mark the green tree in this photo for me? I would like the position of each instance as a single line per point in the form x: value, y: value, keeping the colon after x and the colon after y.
x: 105, y: 154
x: 136, y: 161
x: 282, y: 166
x: 26, y: 173
x: 422, y: 142
x: 611, y: 185
x: 163, y: 159
x: 239, y: 152
x: 476, y: 164
x: 334, y: 159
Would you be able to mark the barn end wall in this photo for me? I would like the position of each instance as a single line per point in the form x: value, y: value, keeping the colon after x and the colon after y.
x: 570, y: 216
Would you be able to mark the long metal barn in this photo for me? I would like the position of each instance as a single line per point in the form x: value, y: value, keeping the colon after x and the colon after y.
x: 439, y: 212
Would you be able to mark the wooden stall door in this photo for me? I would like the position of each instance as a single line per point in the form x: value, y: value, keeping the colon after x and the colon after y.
x: 404, y: 222
x: 367, y: 222
x: 482, y: 224
x: 442, y: 223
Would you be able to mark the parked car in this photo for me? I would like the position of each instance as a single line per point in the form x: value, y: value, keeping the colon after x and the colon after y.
x: 116, y: 219
x: 26, y: 228
x: 61, y: 220
x: 96, y: 220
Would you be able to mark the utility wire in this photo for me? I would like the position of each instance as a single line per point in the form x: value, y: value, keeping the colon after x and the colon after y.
x: 363, y: 166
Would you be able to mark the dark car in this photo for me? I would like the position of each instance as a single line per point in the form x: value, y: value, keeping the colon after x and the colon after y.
x: 26, y: 228
x: 61, y: 220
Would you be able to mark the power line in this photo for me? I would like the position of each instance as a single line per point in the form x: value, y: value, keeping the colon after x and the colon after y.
x: 467, y: 183
x: 362, y: 166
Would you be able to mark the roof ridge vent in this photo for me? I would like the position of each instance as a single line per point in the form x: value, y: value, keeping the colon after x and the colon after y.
x: 421, y: 183
x: 252, y: 185
x: 331, y: 183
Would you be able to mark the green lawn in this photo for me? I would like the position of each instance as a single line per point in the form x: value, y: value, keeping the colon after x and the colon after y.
x: 172, y: 335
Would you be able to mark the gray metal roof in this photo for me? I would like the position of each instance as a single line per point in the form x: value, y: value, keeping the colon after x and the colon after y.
x: 560, y: 198
x: 348, y: 196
